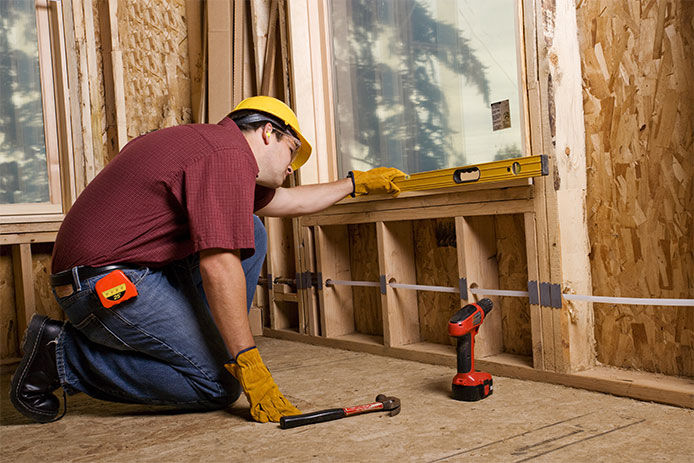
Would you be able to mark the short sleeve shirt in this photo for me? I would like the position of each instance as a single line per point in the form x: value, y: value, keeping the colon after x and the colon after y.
x: 168, y: 194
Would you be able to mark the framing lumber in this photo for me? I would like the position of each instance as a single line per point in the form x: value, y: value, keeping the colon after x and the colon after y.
x: 219, y: 62
x: 332, y: 261
x: 24, y: 285
x: 477, y: 263
x: 195, y: 21
x: 534, y: 279
x: 396, y: 262
x: 114, y: 84
x: 417, y: 202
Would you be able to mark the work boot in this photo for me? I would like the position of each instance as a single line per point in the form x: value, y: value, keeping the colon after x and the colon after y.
x: 37, y: 375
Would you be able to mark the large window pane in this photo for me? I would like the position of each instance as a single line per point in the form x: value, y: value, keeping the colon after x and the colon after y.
x: 23, y: 167
x: 417, y: 81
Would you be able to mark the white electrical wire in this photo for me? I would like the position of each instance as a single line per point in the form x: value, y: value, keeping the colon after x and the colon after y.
x: 498, y: 292
x: 509, y: 293
x: 438, y: 289
x: 630, y: 300
x: 329, y: 282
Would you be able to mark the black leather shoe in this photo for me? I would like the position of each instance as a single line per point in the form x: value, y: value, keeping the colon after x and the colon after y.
x: 37, y: 375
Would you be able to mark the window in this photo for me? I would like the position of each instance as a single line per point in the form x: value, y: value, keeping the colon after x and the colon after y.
x: 30, y: 78
x: 425, y: 84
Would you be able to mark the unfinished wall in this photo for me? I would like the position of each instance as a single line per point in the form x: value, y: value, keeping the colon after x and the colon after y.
x: 639, y: 116
x: 155, y: 60
x: 9, y: 346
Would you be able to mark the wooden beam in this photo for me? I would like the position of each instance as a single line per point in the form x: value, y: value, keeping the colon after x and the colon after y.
x: 396, y: 263
x: 417, y: 200
x: 220, y: 72
x: 477, y: 263
x: 534, y: 279
x: 332, y: 260
x: 114, y: 83
x: 195, y: 22
x: 431, y: 212
x: 24, y: 285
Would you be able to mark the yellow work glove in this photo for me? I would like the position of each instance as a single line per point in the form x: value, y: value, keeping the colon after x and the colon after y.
x: 267, y: 402
x: 376, y: 181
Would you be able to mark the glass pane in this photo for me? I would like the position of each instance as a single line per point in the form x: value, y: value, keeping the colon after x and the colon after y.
x: 417, y: 82
x: 23, y: 168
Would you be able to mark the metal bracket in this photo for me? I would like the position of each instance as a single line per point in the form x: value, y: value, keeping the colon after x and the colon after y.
x: 533, y: 294
x: 462, y: 288
x: 550, y: 295
x: 383, y: 284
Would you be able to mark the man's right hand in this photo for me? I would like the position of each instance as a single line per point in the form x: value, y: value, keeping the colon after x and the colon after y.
x: 376, y: 181
x: 267, y: 402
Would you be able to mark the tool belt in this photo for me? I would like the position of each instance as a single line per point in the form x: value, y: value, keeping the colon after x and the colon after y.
x: 68, y: 282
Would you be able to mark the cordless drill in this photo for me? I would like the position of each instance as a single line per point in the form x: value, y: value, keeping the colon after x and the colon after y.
x: 469, y: 385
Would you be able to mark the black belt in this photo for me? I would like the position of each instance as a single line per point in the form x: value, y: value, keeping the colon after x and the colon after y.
x: 77, y: 274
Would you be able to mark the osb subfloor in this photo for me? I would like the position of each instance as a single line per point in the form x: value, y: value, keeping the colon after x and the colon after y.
x: 521, y: 421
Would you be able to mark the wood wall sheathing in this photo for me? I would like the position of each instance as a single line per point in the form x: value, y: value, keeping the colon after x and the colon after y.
x: 368, y: 318
x: 41, y: 269
x: 153, y: 39
x: 9, y: 338
x: 639, y: 113
x: 436, y: 262
x: 513, y: 275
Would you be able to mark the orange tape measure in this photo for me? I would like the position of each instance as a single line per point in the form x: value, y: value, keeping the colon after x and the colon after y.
x: 115, y: 288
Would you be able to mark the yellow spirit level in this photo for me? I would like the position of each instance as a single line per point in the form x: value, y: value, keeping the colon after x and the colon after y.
x: 507, y: 169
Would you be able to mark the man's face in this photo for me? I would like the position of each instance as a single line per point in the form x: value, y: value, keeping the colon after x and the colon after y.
x: 284, y: 148
x: 287, y: 147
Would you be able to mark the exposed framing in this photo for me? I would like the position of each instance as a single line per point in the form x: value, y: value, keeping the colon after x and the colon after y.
x: 555, y: 230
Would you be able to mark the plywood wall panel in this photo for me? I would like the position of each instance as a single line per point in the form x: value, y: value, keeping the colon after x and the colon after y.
x: 9, y: 345
x: 639, y: 116
x: 153, y: 37
x: 41, y: 263
x: 368, y: 317
x: 436, y: 263
x: 513, y: 275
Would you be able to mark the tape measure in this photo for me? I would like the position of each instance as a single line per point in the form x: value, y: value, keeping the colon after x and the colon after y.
x: 115, y: 288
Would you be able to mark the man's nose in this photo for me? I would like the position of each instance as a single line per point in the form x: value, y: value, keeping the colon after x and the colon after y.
x: 289, y: 170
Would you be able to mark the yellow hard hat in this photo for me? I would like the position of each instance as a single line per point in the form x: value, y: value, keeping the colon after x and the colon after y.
x: 284, y: 113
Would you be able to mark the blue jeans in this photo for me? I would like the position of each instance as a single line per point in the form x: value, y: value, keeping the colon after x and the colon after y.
x: 160, y: 348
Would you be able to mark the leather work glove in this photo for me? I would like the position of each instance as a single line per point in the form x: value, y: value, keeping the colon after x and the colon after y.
x: 267, y: 402
x: 375, y: 181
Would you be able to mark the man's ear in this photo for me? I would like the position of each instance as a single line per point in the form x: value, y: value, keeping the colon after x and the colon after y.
x: 267, y: 131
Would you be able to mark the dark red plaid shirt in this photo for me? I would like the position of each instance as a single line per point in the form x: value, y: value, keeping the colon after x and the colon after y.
x: 166, y: 195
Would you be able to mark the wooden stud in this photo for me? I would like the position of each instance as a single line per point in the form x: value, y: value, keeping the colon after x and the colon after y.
x: 25, y: 299
x: 239, y: 37
x: 219, y: 60
x: 476, y: 240
x: 195, y: 21
x: 396, y: 262
x: 270, y: 53
x: 114, y: 83
x: 332, y: 261
x: 534, y: 277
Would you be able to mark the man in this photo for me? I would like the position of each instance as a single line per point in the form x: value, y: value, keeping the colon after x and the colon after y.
x: 157, y: 262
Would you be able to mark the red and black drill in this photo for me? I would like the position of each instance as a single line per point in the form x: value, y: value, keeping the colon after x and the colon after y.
x: 469, y: 385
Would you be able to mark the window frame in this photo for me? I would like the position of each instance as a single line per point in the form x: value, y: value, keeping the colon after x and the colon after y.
x: 56, y: 121
x: 313, y: 98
